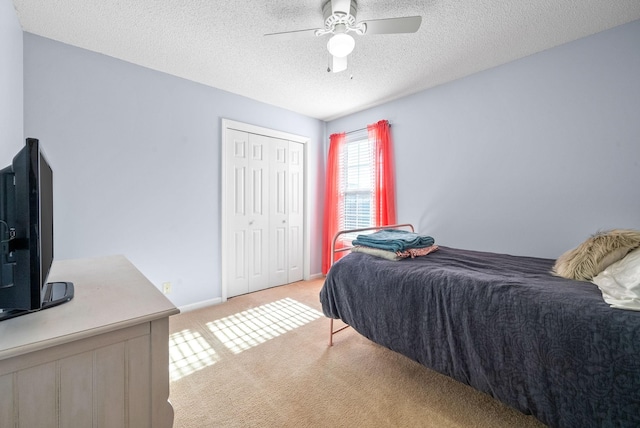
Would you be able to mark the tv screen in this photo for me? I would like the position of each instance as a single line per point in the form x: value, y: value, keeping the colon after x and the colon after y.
x: 26, y: 220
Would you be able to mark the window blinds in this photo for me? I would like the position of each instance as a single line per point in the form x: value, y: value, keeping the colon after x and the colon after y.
x: 357, y: 184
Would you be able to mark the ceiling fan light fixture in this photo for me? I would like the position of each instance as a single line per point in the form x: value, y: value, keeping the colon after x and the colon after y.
x: 341, y: 45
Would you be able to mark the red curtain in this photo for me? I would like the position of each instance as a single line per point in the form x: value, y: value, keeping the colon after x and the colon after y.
x: 385, y: 194
x: 332, y: 199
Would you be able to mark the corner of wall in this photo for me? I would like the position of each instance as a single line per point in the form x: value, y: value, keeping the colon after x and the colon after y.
x: 11, y: 81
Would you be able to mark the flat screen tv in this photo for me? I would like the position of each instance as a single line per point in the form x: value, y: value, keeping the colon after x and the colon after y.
x: 26, y: 231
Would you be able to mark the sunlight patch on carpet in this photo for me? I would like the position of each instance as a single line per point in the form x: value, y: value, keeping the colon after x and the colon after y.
x: 188, y: 353
x: 250, y: 328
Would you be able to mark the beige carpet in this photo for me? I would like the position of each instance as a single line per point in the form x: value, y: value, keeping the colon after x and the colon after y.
x: 262, y: 360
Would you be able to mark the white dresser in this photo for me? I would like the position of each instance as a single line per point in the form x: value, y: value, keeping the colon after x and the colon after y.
x: 99, y: 360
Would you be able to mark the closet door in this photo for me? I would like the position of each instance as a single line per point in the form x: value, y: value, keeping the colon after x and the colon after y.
x: 286, y: 212
x: 279, y: 213
x: 258, y: 220
x: 247, y: 205
x: 263, y: 211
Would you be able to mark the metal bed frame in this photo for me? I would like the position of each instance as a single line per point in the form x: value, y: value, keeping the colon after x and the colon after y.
x: 334, y: 251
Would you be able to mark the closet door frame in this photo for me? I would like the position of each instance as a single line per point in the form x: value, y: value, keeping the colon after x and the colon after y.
x: 254, y: 129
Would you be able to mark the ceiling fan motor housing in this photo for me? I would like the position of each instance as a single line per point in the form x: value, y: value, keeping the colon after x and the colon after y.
x: 339, y: 17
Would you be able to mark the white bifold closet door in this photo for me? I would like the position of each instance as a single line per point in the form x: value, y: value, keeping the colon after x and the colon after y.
x: 265, y: 210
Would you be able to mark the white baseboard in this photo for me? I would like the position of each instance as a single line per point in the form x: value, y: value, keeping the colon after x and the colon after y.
x: 200, y: 305
x: 218, y: 300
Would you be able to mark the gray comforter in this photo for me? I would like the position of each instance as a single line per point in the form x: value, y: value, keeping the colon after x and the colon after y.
x: 503, y: 324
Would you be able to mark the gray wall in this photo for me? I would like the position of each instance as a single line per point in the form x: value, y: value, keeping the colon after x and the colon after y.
x: 11, y: 100
x: 528, y: 158
x: 136, y: 160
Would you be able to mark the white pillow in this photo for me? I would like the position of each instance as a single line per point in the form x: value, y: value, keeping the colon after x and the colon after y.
x: 620, y: 282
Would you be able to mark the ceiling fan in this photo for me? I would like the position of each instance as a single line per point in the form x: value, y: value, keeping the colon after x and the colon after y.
x: 340, y: 21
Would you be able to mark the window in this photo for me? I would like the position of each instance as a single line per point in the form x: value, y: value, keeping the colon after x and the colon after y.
x: 357, y: 184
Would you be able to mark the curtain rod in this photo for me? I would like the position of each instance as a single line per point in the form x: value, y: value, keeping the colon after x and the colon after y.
x: 359, y: 130
x: 356, y: 130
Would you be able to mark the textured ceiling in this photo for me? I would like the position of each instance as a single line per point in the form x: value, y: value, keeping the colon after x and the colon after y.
x: 220, y: 43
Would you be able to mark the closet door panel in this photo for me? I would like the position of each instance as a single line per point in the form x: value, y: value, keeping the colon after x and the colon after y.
x: 258, y: 218
x: 279, y: 213
x: 237, y: 162
x: 296, y: 212
x: 248, y: 176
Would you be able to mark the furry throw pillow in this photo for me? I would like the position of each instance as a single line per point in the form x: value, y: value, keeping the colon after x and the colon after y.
x: 596, y: 253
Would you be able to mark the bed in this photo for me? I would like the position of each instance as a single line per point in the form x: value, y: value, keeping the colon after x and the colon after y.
x: 545, y: 345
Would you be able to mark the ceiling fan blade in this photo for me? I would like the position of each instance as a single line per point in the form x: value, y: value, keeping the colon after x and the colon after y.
x: 337, y: 64
x: 407, y: 24
x: 340, y: 6
x: 289, y: 35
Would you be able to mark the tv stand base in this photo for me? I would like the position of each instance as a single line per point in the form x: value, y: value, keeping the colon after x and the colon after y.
x: 55, y: 294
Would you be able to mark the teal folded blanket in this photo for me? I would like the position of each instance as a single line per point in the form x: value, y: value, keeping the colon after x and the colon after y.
x: 394, y: 240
